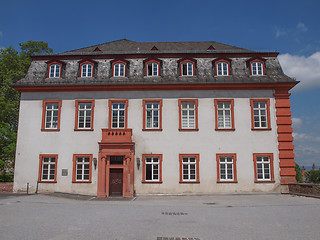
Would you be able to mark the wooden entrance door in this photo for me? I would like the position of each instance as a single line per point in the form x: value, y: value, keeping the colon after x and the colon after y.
x: 116, y: 182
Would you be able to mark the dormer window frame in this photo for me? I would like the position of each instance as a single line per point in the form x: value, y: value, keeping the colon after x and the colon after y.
x: 221, y: 61
x: 152, y: 61
x: 115, y: 63
x: 257, y: 61
x: 185, y: 62
x: 87, y: 62
x: 53, y: 64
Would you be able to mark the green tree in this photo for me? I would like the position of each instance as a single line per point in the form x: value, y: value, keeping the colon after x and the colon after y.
x: 299, y: 177
x: 13, y: 66
x: 313, y: 176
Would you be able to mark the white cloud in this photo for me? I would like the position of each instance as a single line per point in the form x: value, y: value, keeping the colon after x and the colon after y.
x: 302, y: 27
x: 1, y: 34
x: 296, y: 123
x: 280, y: 32
x: 304, y: 69
x: 305, y: 137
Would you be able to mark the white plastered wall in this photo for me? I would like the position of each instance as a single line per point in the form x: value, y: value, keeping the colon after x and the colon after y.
x: 170, y: 142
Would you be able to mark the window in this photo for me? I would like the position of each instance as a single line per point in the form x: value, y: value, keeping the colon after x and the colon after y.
x: 222, y: 66
x: 189, y: 168
x: 118, y: 113
x: 82, y: 168
x: 260, y: 114
x: 224, y: 114
x: 51, y: 115
x: 152, y: 168
x: 153, y: 69
x: 187, y: 67
x: 119, y: 70
x: 86, y: 70
x: 84, y: 114
x: 227, y: 167
x: 119, y: 67
x: 54, y: 71
x: 48, y: 168
x: 188, y: 110
x: 257, y: 66
x: 263, y: 167
x: 152, y: 114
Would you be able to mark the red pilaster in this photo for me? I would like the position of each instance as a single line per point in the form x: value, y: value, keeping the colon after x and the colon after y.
x: 285, y: 139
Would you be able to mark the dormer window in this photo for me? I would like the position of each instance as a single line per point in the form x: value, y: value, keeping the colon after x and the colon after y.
x: 87, y: 68
x: 222, y: 66
x: 54, y: 69
x: 152, y: 67
x: 187, y: 67
x: 119, y: 68
x: 257, y: 66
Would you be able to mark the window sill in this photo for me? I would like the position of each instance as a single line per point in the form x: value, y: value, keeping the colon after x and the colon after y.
x: 79, y: 129
x: 227, y: 181
x: 152, y: 129
x: 261, y: 129
x: 264, y: 181
x: 189, y: 182
x: 47, y: 181
x: 188, y: 129
x: 81, y: 182
x: 225, y: 129
x: 159, y: 182
x: 49, y: 130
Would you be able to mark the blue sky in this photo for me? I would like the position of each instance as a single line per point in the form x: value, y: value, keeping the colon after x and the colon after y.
x: 289, y: 27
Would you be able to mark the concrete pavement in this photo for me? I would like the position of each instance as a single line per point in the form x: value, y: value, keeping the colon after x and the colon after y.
x: 248, y: 216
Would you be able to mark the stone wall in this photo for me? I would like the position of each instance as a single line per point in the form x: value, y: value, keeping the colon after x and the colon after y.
x: 6, y: 187
x: 305, y: 189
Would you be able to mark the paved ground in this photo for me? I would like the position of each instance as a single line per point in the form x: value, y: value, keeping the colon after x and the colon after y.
x: 269, y: 216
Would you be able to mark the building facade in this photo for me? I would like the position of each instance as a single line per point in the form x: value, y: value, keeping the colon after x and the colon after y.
x: 125, y: 118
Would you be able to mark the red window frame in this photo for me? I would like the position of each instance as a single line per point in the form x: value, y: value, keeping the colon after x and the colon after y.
x: 197, y: 156
x: 184, y: 60
x: 234, y: 156
x: 74, y: 173
x: 152, y: 60
x: 125, y: 101
x: 270, y: 155
x: 115, y: 61
x: 261, y: 60
x: 218, y: 60
x: 76, y: 125
x: 267, y: 101
x: 43, y: 126
x: 231, y: 101
x: 54, y: 62
x: 180, y: 101
x: 144, y: 102
x: 144, y: 156
x: 41, y: 156
x: 86, y: 61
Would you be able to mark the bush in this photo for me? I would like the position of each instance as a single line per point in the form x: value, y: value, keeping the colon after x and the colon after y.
x: 313, y: 176
x: 6, y: 177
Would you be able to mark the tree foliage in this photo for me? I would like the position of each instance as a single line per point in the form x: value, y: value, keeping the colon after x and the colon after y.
x: 13, y: 66
x: 313, y: 176
x: 299, y: 177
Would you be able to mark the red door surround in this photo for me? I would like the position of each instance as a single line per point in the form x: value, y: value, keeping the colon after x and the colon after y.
x: 116, y: 142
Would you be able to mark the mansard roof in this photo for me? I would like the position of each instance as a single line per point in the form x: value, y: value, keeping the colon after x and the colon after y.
x: 129, y: 46
x: 169, y: 53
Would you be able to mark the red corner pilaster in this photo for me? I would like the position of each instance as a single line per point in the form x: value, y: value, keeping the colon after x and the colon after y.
x: 285, y: 139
